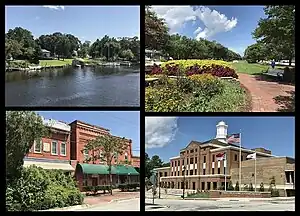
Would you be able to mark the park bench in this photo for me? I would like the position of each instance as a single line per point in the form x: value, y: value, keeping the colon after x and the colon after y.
x: 275, y: 73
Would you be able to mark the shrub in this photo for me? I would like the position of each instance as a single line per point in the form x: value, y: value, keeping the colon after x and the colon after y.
x: 237, y: 187
x: 230, y: 187
x: 39, y: 189
x: 162, y: 99
x: 207, y: 85
x: 192, y: 67
x: 261, y: 188
x: 124, y: 187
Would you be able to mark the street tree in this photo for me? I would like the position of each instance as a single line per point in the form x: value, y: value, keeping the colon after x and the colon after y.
x: 156, y: 31
x: 22, y: 129
x: 105, y: 148
x: 278, y: 29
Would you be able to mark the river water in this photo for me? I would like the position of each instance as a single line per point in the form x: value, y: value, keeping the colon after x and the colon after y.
x: 89, y: 86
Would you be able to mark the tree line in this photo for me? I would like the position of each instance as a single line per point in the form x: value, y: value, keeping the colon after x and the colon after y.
x: 152, y: 163
x: 181, y: 47
x: 20, y: 44
x: 275, y: 35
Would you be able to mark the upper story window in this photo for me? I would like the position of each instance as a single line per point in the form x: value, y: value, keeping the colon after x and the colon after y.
x: 166, y: 174
x: 63, y: 149
x: 192, y: 151
x: 179, y: 163
x: 195, y: 150
x: 54, y: 148
x: 37, y: 146
x: 86, y: 154
x: 213, y: 159
x: 195, y: 160
x: 191, y: 160
x: 235, y: 157
x: 187, y: 161
x: 175, y: 163
x: 172, y: 163
x: 204, y: 159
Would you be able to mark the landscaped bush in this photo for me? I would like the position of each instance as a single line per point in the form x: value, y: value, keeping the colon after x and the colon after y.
x: 124, y: 187
x: 197, y: 93
x: 192, y: 67
x: 97, y: 188
x: 40, y: 189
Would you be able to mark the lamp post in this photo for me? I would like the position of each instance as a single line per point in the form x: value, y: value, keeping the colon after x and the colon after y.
x: 183, y: 182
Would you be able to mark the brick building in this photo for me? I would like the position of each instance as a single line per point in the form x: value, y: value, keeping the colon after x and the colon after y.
x: 62, y: 150
x: 197, y: 164
x: 53, y: 151
x: 95, y: 172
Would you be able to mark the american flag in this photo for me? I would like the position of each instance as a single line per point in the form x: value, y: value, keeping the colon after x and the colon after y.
x: 234, y: 138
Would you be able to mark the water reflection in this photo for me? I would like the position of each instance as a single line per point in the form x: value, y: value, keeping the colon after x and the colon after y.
x: 89, y: 86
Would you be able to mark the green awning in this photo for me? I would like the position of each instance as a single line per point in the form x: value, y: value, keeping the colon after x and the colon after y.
x: 96, y: 169
x: 103, y: 169
x: 126, y: 170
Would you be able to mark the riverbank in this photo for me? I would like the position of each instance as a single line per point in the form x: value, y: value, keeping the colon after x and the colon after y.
x: 22, y: 65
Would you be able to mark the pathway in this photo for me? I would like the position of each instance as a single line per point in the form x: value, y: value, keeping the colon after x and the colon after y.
x: 264, y: 93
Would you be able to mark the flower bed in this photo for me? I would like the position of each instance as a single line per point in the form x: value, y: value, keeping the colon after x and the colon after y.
x: 191, y: 67
x: 196, y: 93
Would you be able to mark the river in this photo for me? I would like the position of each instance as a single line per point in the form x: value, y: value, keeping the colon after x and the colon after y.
x: 88, y: 86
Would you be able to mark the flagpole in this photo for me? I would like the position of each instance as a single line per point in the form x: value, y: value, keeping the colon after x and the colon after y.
x: 240, y: 170
x: 225, y: 169
x: 255, y: 172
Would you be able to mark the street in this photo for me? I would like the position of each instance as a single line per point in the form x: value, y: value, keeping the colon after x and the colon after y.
x: 122, y: 205
x: 219, y: 205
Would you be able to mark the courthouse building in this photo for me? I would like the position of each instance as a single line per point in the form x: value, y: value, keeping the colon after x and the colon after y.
x: 197, y: 163
x: 62, y: 149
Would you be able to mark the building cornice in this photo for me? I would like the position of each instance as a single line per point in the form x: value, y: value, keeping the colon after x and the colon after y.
x: 244, y: 150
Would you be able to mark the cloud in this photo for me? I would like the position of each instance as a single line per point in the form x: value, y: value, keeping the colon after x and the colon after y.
x: 54, y: 7
x: 159, y: 131
x: 37, y: 18
x: 177, y: 16
x: 197, y: 30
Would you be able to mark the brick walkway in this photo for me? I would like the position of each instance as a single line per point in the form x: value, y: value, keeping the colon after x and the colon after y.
x: 264, y: 92
x: 106, y: 198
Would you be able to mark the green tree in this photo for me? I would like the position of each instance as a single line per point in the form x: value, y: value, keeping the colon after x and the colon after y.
x: 105, y: 148
x: 278, y: 29
x: 127, y: 54
x: 12, y: 48
x: 22, y: 129
x: 156, y: 31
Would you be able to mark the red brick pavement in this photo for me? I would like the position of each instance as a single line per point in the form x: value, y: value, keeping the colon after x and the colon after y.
x: 263, y: 92
x: 106, y: 198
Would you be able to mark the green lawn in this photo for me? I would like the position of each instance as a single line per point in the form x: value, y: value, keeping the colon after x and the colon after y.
x: 55, y: 62
x: 245, y: 67
x: 252, y: 69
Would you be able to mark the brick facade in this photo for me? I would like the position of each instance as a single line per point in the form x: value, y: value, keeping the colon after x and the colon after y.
x: 55, y: 136
x: 82, y: 133
x: 198, y: 165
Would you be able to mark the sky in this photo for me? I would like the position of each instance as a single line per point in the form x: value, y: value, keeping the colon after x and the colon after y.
x: 230, y: 26
x: 122, y: 124
x: 84, y: 22
x: 165, y: 136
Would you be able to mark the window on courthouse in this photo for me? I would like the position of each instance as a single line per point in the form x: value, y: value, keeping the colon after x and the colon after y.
x: 213, y: 171
x: 219, y: 170
x: 191, y: 160
x: 195, y: 160
x: 204, y: 159
x: 191, y: 172
x: 235, y: 157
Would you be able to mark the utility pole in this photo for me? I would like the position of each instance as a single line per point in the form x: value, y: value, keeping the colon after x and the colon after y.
x: 183, y: 182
